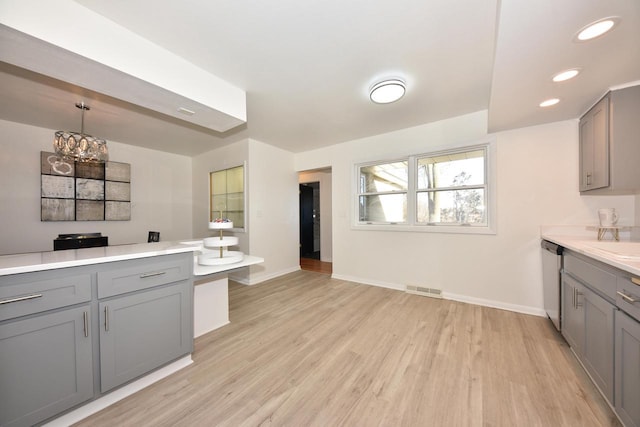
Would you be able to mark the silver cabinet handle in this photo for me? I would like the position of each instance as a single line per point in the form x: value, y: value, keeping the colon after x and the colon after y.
x: 106, y: 319
x: 573, y: 296
x: 588, y: 179
x: 18, y: 299
x: 85, y: 318
x: 578, y: 303
x: 158, y: 273
x: 628, y: 298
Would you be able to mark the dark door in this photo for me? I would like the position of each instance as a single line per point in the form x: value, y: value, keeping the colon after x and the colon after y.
x: 306, y: 220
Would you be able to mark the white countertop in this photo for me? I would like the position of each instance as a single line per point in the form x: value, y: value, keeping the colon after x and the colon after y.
x: 624, y: 255
x: 40, y: 261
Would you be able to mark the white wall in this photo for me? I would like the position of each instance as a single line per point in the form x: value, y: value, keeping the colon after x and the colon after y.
x: 160, y: 193
x: 537, y: 185
x: 274, y: 213
x: 326, y: 240
x: 271, y: 188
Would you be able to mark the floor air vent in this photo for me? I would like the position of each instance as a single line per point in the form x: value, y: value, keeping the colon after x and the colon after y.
x: 426, y: 292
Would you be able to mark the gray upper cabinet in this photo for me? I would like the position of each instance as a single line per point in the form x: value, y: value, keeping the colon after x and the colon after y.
x: 594, y: 147
x: 610, y: 144
x: 46, y: 365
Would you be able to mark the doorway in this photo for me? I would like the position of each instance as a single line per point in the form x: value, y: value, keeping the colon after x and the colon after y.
x: 310, y: 220
x: 315, y: 220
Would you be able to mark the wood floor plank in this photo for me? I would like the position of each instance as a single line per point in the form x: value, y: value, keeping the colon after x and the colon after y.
x: 308, y: 350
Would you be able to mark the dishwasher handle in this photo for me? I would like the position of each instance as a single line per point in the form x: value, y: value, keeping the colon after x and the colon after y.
x: 551, y: 247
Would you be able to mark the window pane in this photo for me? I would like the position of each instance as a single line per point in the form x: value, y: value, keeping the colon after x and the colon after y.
x: 227, y: 195
x: 219, y: 182
x: 383, y: 208
x: 384, y: 177
x: 452, y: 207
x: 451, y: 170
x: 235, y: 178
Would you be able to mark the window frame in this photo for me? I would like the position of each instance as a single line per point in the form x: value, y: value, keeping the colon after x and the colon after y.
x: 213, y: 211
x: 489, y: 147
x: 383, y: 193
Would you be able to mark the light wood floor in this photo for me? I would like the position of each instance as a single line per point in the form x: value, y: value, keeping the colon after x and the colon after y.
x: 316, y: 265
x: 308, y: 350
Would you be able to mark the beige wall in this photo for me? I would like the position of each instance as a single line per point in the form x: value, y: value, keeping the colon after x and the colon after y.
x: 537, y: 185
x: 160, y: 193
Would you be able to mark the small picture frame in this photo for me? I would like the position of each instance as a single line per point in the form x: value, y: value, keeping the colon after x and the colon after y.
x: 154, y: 236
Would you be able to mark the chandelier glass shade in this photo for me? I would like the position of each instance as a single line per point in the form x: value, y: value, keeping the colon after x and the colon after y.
x: 80, y: 147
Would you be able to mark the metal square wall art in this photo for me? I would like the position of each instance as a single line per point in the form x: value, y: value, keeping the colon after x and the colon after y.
x: 76, y: 191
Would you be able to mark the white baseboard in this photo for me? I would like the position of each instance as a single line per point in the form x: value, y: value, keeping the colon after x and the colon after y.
x: 379, y: 284
x: 119, y: 394
x: 450, y: 296
x: 495, y: 304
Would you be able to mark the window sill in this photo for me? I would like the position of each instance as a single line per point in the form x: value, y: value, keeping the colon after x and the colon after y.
x: 446, y: 229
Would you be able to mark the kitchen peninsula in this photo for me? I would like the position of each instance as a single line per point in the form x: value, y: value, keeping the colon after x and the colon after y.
x: 82, y: 325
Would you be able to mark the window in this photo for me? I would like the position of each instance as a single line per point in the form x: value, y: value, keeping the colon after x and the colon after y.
x: 451, y: 188
x: 446, y: 191
x: 383, y: 192
x: 227, y: 195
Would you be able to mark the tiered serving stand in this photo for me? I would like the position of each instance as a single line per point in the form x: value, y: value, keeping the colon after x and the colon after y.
x: 215, y: 249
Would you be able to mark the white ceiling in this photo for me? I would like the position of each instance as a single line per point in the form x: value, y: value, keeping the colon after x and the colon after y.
x: 306, y: 67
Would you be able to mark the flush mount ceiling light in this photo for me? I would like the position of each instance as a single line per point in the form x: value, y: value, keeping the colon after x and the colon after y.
x: 596, y: 29
x: 566, y: 75
x: 387, y: 91
x: 549, y: 102
x: 80, y: 146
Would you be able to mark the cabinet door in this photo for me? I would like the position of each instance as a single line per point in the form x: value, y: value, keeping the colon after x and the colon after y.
x: 140, y: 332
x: 597, y: 353
x: 594, y: 147
x: 572, y: 313
x: 45, y: 366
x: 627, y: 401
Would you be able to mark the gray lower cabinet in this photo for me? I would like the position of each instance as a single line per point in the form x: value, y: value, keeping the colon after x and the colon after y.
x: 142, y: 331
x: 588, y: 323
x: 597, y: 353
x: 572, y: 313
x: 45, y: 365
x: 52, y: 357
x: 627, y: 402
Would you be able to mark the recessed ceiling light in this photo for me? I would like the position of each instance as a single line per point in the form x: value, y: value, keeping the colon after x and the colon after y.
x: 387, y: 91
x: 566, y: 75
x: 549, y: 102
x: 596, y: 29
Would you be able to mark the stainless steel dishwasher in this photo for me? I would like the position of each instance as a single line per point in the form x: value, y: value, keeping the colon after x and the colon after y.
x: 551, y: 280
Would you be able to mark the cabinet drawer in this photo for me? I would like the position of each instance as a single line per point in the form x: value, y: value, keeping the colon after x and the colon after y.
x: 30, y: 293
x: 591, y: 274
x: 628, y: 296
x: 129, y: 276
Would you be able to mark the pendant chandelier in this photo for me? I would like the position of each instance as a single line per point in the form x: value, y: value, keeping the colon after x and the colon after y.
x: 80, y: 147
